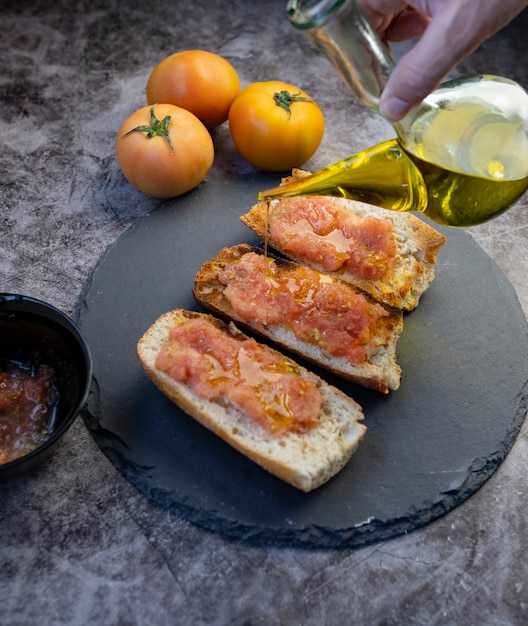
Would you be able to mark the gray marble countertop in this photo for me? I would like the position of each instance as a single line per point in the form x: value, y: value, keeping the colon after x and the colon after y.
x: 80, y: 545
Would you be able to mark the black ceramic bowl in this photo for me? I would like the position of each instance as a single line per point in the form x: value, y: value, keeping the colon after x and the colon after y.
x: 33, y: 331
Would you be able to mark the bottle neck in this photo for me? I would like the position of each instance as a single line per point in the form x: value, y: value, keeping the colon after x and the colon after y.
x: 340, y: 30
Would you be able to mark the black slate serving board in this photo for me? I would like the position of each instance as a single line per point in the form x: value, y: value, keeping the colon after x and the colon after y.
x: 429, y: 445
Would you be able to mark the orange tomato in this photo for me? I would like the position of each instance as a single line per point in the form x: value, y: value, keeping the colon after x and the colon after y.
x: 275, y: 126
x: 201, y: 82
x: 164, y: 150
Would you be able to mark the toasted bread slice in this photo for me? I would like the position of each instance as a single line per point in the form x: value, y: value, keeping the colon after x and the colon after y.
x: 379, y: 370
x: 417, y: 245
x: 305, y: 459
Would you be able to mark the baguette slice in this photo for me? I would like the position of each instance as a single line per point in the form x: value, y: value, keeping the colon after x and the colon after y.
x: 417, y: 246
x: 379, y: 372
x: 305, y: 460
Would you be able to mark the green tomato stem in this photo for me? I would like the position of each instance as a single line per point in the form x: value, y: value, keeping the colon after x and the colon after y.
x: 285, y: 99
x: 156, y: 128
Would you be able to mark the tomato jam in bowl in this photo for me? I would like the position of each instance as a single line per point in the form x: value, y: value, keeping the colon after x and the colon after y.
x: 45, y: 377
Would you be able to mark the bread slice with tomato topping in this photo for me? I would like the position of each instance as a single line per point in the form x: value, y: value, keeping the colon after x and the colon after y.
x: 309, y: 313
x: 277, y: 413
x: 388, y: 255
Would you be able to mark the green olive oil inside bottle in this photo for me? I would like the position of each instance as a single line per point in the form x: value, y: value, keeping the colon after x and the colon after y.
x: 460, y: 158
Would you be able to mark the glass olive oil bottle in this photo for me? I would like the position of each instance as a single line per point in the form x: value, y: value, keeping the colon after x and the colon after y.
x: 461, y: 157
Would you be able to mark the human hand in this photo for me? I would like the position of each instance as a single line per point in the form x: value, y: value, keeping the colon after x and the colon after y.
x: 448, y: 30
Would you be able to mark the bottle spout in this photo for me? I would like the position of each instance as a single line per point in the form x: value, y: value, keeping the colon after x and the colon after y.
x: 383, y: 175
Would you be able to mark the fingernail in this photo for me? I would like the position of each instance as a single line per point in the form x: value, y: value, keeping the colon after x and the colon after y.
x: 393, y: 108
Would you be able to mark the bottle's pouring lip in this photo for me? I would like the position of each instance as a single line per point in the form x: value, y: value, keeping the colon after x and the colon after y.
x: 306, y: 14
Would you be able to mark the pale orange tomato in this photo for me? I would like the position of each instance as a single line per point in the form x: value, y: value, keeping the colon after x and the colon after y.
x: 201, y: 82
x: 275, y: 126
x: 164, y: 150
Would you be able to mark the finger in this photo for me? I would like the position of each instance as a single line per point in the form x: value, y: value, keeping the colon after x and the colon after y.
x: 456, y: 30
x: 443, y: 44
x: 407, y: 25
x: 379, y: 13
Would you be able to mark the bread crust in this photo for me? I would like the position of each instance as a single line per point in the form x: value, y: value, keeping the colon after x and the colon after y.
x: 417, y: 247
x: 305, y: 460
x: 379, y: 372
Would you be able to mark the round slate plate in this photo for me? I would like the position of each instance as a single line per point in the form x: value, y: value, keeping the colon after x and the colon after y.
x: 429, y: 445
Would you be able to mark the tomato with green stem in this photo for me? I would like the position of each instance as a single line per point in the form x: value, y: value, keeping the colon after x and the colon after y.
x: 164, y: 150
x: 275, y: 126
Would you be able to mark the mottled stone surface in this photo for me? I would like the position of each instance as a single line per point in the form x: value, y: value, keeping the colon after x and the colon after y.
x: 78, y: 544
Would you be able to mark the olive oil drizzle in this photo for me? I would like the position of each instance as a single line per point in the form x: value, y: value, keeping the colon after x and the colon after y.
x: 266, y: 228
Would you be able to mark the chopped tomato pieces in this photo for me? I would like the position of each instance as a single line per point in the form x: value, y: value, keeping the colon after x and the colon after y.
x: 317, y: 309
x: 320, y: 230
x: 266, y: 386
x: 27, y: 401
